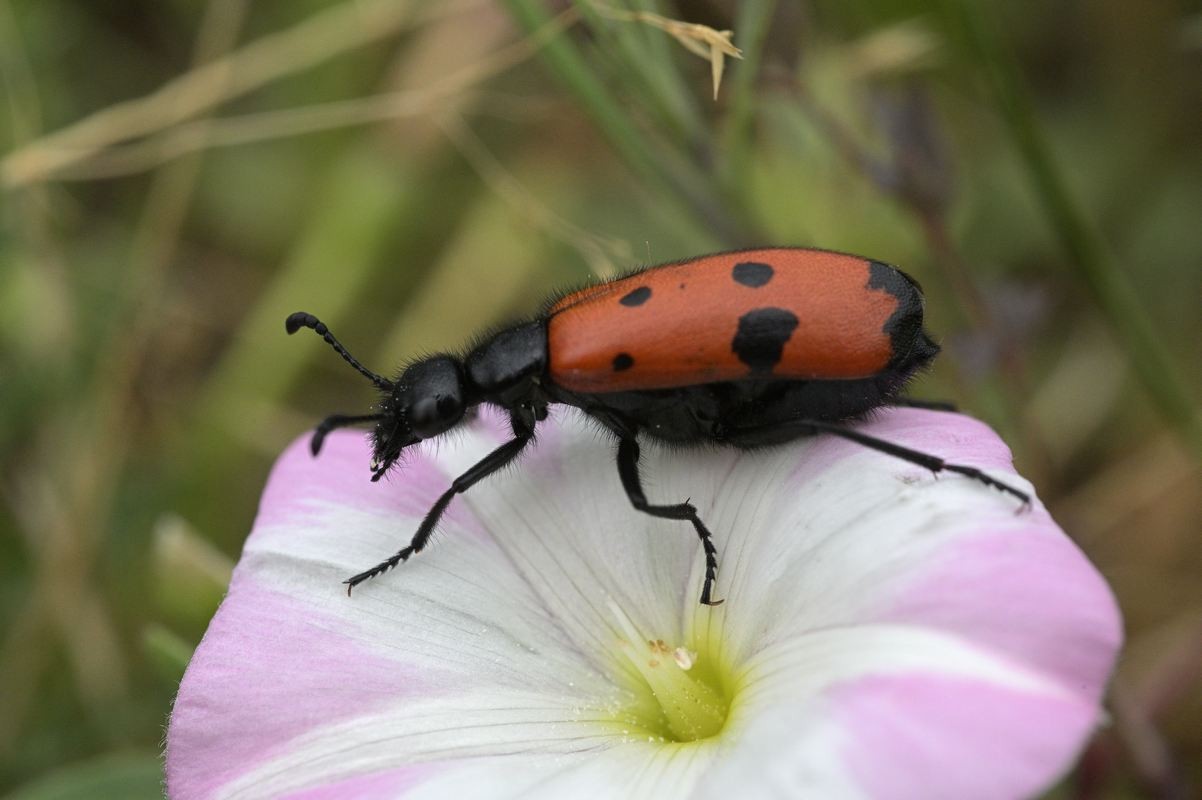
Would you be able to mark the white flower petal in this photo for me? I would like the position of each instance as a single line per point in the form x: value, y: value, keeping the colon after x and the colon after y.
x: 863, y: 595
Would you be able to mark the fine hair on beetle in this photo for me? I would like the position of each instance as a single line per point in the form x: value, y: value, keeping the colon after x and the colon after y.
x: 743, y: 349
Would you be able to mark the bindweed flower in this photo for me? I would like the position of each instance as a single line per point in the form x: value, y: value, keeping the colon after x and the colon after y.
x: 886, y: 633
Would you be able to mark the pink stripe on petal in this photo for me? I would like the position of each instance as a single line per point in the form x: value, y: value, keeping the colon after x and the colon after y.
x: 301, y: 485
x: 270, y: 668
x: 1028, y: 594
x: 393, y: 783
x: 936, y: 737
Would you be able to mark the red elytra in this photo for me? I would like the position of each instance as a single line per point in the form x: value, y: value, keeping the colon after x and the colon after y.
x: 675, y: 325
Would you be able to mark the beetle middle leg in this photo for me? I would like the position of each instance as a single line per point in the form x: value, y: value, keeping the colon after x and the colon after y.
x: 628, y: 470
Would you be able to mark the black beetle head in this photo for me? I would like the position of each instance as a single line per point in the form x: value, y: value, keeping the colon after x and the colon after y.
x: 427, y: 400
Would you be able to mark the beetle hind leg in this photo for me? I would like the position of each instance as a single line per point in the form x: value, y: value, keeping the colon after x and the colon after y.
x: 934, y: 463
x: 628, y: 470
x: 929, y: 405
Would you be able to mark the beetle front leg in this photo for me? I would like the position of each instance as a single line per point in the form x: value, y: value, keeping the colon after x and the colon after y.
x: 491, y: 463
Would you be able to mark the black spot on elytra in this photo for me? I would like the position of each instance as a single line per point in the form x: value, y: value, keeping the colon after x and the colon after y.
x: 637, y: 297
x: 761, y: 337
x: 623, y: 362
x: 904, y: 325
x: 752, y: 273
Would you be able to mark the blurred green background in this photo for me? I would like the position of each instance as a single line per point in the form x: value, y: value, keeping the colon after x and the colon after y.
x: 179, y: 176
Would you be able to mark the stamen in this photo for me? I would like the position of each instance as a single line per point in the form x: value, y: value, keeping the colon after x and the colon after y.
x: 692, y: 708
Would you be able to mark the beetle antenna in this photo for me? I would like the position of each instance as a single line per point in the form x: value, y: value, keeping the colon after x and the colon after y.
x: 303, y: 319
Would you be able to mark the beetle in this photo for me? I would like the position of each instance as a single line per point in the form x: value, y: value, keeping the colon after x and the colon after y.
x: 746, y: 349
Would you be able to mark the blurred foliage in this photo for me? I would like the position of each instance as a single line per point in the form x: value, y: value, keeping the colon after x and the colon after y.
x: 178, y: 177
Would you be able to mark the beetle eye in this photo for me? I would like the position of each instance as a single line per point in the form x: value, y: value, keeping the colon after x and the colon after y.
x: 431, y: 416
x: 449, y: 406
x: 430, y: 396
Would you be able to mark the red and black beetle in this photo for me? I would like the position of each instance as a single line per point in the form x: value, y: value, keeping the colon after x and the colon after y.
x: 748, y: 348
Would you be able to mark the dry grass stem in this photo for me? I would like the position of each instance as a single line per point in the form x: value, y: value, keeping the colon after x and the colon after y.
x: 701, y: 40
x: 266, y: 125
x: 340, y: 29
x: 906, y: 47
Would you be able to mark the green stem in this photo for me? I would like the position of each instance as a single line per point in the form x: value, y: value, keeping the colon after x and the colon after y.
x: 751, y: 29
x: 666, y: 169
x: 1111, y: 287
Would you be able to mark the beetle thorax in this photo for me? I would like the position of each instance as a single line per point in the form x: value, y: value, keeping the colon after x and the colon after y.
x: 505, y: 368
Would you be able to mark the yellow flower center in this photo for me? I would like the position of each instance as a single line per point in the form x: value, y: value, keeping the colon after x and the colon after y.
x: 680, y: 698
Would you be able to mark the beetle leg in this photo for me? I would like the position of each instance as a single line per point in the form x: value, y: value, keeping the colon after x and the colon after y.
x: 628, y: 470
x: 494, y: 461
x: 933, y: 463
